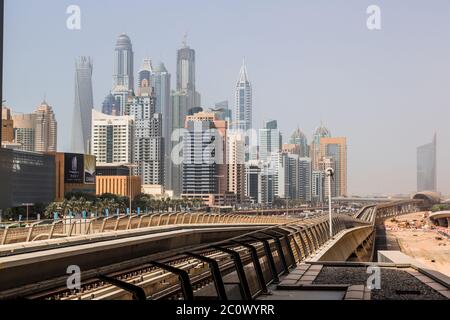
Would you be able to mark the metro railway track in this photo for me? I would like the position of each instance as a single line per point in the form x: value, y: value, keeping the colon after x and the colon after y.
x: 246, y: 264
x: 146, y: 275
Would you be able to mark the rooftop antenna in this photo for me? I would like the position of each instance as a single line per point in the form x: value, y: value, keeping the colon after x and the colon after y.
x: 185, y: 39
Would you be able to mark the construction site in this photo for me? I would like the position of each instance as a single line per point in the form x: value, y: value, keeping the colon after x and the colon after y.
x: 416, y: 236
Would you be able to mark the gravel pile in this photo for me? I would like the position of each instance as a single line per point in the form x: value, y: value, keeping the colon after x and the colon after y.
x: 395, y: 284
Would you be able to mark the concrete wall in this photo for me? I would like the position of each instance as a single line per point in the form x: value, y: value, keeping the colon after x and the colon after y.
x: 345, y: 244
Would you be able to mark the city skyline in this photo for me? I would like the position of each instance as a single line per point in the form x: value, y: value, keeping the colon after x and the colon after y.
x: 401, y: 162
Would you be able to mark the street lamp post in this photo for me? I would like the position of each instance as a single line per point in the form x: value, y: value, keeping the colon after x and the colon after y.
x: 220, y: 177
x: 330, y: 174
x: 28, y: 205
x: 130, y: 165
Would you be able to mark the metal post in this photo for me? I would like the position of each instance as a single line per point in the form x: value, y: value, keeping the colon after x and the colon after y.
x: 215, y: 271
x: 245, y: 289
x: 129, y: 189
x: 329, y: 174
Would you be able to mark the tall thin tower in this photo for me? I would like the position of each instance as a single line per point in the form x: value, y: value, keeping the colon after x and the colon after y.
x: 243, y: 105
x: 123, y: 63
x: 186, y: 68
x: 427, y: 167
x: 84, y: 103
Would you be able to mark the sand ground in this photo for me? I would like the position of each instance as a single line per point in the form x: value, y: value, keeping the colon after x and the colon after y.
x: 420, y: 242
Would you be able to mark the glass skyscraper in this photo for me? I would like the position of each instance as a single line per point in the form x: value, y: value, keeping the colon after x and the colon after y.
x: 160, y: 80
x: 111, y: 105
x: 298, y: 138
x: 184, y: 99
x: 84, y: 103
x: 426, y: 167
x: 270, y: 140
x: 186, y: 68
x: 146, y: 72
x: 243, y: 102
x: 123, y: 63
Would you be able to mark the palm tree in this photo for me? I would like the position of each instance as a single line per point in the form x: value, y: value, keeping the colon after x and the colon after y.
x: 51, y: 208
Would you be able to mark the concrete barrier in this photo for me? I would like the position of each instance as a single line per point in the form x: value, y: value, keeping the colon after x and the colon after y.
x: 344, y: 244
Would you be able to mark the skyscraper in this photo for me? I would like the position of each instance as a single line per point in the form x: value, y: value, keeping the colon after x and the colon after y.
x: 160, y: 80
x: 184, y: 99
x: 253, y: 181
x: 325, y: 163
x: 317, y: 186
x: 148, y: 150
x: 123, y: 74
x: 45, y: 139
x: 298, y: 138
x: 270, y: 140
x: 186, y: 68
x: 236, y: 165
x: 186, y: 75
x: 223, y: 112
x: 321, y: 132
x: 146, y: 72
x: 243, y: 101
x: 204, y: 151
x: 84, y: 103
x: 427, y: 167
x: 112, y: 138
x: 305, y: 180
x: 111, y: 105
x: 336, y: 150
x: 179, y: 113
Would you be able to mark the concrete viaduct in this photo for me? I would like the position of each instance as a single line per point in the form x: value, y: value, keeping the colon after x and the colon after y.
x: 181, y: 256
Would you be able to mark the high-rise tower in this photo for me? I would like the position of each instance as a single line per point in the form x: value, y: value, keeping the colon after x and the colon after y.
x: 185, y: 100
x: 45, y: 139
x: 335, y: 149
x: 145, y: 73
x: 84, y: 103
x: 299, y: 139
x: 148, y: 150
x: 186, y: 68
x: 160, y: 80
x: 243, y: 101
x: 321, y: 132
x: 123, y: 63
x: 426, y: 167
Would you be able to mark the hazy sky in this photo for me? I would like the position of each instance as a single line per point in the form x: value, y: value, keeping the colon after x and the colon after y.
x: 387, y: 91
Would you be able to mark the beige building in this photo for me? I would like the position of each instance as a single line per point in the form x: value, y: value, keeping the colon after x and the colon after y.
x: 336, y: 150
x: 291, y: 148
x: 112, y: 138
x: 36, y: 131
x: 24, y: 131
x: 119, y: 185
x: 236, y: 165
x: 157, y: 191
x: 45, y: 136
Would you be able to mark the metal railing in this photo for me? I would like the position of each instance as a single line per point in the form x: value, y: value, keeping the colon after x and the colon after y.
x: 240, y: 268
x: 67, y: 227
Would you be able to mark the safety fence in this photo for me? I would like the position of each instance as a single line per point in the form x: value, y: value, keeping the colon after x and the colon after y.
x: 240, y: 268
x: 67, y: 227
